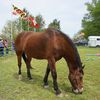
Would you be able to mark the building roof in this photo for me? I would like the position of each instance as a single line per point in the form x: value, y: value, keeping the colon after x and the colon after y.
x: 93, y: 37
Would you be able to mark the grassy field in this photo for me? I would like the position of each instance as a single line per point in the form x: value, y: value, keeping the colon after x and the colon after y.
x: 13, y: 89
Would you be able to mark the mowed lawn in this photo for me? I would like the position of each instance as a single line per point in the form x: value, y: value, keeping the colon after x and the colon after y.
x: 13, y: 89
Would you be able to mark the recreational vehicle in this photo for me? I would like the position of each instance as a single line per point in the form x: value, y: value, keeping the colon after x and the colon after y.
x: 94, y: 41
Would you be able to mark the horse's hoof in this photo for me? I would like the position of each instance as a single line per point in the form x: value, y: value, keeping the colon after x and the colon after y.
x: 46, y: 86
x: 60, y: 95
x: 31, y: 80
x: 20, y: 77
x: 31, y: 68
x: 58, y: 92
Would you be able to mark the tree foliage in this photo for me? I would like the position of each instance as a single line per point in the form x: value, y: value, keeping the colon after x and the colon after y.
x: 39, y: 19
x: 91, y: 20
x: 55, y: 24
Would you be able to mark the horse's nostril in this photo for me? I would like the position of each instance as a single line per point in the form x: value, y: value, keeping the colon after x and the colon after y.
x: 75, y: 91
x: 81, y: 90
x: 78, y: 91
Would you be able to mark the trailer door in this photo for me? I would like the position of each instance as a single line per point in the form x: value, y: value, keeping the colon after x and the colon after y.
x: 98, y: 42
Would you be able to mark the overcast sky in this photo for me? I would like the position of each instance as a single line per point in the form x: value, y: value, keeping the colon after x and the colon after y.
x: 69, y: 12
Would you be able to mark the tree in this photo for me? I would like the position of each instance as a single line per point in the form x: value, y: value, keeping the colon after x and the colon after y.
x: 91, y: 20
x: 40, y: 21
x: 55, y: 24
x: 10, y: 29
x: 78, y: 36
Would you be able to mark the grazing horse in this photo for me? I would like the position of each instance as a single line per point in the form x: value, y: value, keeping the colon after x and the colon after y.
x: 52, y: 45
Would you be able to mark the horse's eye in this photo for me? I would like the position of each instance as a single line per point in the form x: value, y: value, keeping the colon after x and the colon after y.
x: 81, y: 78
x: 74, y: 80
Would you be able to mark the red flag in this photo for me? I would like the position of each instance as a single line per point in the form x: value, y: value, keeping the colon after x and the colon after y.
x: 37, y: 26
x: 33, y: 23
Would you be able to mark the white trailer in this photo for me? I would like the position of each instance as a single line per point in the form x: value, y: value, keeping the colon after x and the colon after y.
x: 94, y: 41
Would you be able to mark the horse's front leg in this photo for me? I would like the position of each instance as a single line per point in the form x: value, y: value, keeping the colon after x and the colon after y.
x: 28, y: 65
x: 46, y: 76
x: 54, y: 75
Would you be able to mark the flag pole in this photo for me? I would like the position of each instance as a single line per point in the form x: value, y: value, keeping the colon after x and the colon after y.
x: 28, y: 22
x: 11, y: 36
x: 21, y: 24
x: 11, y: 27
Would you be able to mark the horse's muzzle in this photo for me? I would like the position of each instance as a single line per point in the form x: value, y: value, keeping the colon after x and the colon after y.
x: 78, y: 91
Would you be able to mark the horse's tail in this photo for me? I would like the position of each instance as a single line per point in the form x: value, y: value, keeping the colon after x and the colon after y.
x: 24, y: 57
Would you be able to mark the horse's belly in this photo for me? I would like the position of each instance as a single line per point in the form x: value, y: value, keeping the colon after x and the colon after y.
x: 35, y: 52
x: 39, y: 55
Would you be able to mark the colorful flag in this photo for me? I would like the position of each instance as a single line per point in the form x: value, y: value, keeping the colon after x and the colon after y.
x: 23, y: 15
x: 17, y: 11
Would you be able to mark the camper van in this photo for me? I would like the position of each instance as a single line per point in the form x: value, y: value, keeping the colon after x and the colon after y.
x: 94, y: 41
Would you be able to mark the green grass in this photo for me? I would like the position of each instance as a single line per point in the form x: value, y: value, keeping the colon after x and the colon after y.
x: 13, y: 89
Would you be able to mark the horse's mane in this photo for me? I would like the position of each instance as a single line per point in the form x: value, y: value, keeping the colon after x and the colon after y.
x: 77, y: 57
x: 78, y: 60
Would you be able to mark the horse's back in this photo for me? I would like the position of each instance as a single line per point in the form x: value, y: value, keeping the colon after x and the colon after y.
x: 41, y: 44
x: 31, y: 42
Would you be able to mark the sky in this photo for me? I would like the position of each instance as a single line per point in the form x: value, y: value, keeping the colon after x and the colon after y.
x: 69, y: 12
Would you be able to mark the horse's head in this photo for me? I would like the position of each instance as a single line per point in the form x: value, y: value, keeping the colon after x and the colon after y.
x: 76, y: 79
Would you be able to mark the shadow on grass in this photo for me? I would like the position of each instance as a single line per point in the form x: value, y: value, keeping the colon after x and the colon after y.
x: 38, y: 81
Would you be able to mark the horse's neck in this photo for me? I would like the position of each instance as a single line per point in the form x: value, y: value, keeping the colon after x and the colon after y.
x: 72, y: 59
x: 72, y: 66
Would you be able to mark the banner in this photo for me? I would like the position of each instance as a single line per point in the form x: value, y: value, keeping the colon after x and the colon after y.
x: 23, y: 15
x: 17, y: 11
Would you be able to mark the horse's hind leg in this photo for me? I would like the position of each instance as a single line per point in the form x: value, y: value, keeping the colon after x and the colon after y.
x: 46, y: 76
x: 28, y: 60
x: 51, y: 62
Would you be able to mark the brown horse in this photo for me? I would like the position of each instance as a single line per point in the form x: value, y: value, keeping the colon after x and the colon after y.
x: 51, y: 45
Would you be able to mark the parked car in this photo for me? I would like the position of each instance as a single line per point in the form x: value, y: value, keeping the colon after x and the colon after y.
x: 81, y: 43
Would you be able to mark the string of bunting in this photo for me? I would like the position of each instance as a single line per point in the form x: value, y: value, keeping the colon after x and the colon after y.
x: 23, y: 15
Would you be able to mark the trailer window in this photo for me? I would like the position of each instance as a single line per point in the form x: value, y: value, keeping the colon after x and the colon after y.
x: 98, y: 39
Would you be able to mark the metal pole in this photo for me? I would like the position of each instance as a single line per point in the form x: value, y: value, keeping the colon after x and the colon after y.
x: 28, y: 22
x: 11, y: 29
x: 21, y: 25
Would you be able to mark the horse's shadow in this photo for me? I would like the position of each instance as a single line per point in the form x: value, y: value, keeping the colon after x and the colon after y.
x: 38, y: 81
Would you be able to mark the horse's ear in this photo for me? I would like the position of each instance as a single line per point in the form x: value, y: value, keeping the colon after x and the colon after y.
x: 83, y: 66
